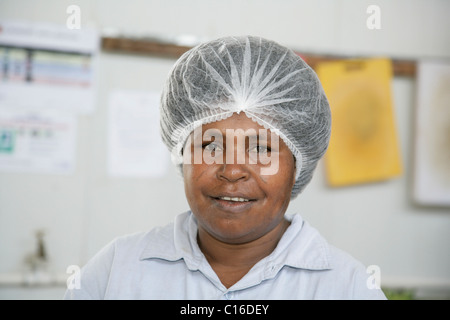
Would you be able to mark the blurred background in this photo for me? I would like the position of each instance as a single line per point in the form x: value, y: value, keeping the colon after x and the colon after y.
x: 81, y: 161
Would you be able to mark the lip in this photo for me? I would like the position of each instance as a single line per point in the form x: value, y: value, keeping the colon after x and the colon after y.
x: 232, y: 194
x: 233, y: 206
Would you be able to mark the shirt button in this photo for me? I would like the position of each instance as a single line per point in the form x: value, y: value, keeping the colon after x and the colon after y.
x: 228, y: 296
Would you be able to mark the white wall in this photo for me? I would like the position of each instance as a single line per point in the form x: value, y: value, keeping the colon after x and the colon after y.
x: 377, y: 223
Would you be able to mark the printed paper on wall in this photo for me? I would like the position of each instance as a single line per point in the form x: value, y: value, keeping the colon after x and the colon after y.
x: 135, y: 147
x: 47, y: 66
x: 38, y: 142
x: 364, y: 144
x: 432, y: 135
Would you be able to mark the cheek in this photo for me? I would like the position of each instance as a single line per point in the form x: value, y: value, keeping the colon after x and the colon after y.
x: 194, y: 183
x: 189, y: 182
x: 283, y: 181
x: 194, y: 174
x: 290, y: 170
x: 187, y: 172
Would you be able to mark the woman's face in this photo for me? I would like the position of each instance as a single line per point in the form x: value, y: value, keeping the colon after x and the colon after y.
x: 236, y: 201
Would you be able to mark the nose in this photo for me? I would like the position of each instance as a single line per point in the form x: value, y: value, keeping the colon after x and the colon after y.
x: 233, y: 172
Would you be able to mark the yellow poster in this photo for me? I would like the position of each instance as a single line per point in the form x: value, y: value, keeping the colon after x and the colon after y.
x: 364, y: 145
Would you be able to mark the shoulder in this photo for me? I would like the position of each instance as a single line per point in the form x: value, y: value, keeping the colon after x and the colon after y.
x: 135, y: 243
x: 353, y: 275
x: 122, y: 253
x: 342, y: 276
x: 342, y: 260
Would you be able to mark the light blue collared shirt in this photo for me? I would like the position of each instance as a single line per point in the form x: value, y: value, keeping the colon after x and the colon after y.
x: 167, y: 263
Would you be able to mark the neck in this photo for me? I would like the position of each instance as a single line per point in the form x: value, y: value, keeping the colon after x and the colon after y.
x: 232, y: 261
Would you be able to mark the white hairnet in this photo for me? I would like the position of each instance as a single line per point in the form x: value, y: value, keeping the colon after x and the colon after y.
x: 267, y: 81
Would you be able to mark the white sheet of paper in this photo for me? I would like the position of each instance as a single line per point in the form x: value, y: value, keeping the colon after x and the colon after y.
x: 135, y: 148
x: 432, y: 142
x: 47, y: 66
x: 41, y: 142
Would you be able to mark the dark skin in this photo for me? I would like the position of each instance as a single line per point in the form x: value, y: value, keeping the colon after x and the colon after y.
x: 235, y: 234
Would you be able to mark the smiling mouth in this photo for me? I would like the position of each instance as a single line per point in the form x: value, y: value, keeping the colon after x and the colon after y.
x: 234, y: 199
x: 233, y: 204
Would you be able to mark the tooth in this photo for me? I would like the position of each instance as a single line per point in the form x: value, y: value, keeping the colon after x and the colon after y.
x: 234, y: 199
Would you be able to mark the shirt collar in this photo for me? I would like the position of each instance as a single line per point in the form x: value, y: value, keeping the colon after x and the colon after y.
x: 175, y: 241
x: 300, y: 247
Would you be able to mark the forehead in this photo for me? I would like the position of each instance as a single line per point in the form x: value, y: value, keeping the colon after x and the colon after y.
x: 236, y: 121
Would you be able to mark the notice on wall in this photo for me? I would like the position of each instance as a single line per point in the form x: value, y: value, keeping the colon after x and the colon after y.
x: 432, y: 134
x: 37, y: 142
x: 364, y: 144
x: 135, y: 148
x: 47, y: 66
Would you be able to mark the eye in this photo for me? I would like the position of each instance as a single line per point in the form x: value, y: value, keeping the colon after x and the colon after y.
x: 212, y: 147
x: 261, y: 149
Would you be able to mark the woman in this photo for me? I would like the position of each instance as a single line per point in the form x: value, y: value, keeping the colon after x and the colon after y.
x: 246, y: 121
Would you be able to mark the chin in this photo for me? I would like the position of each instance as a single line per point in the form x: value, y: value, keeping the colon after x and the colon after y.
x: 228, y: 231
